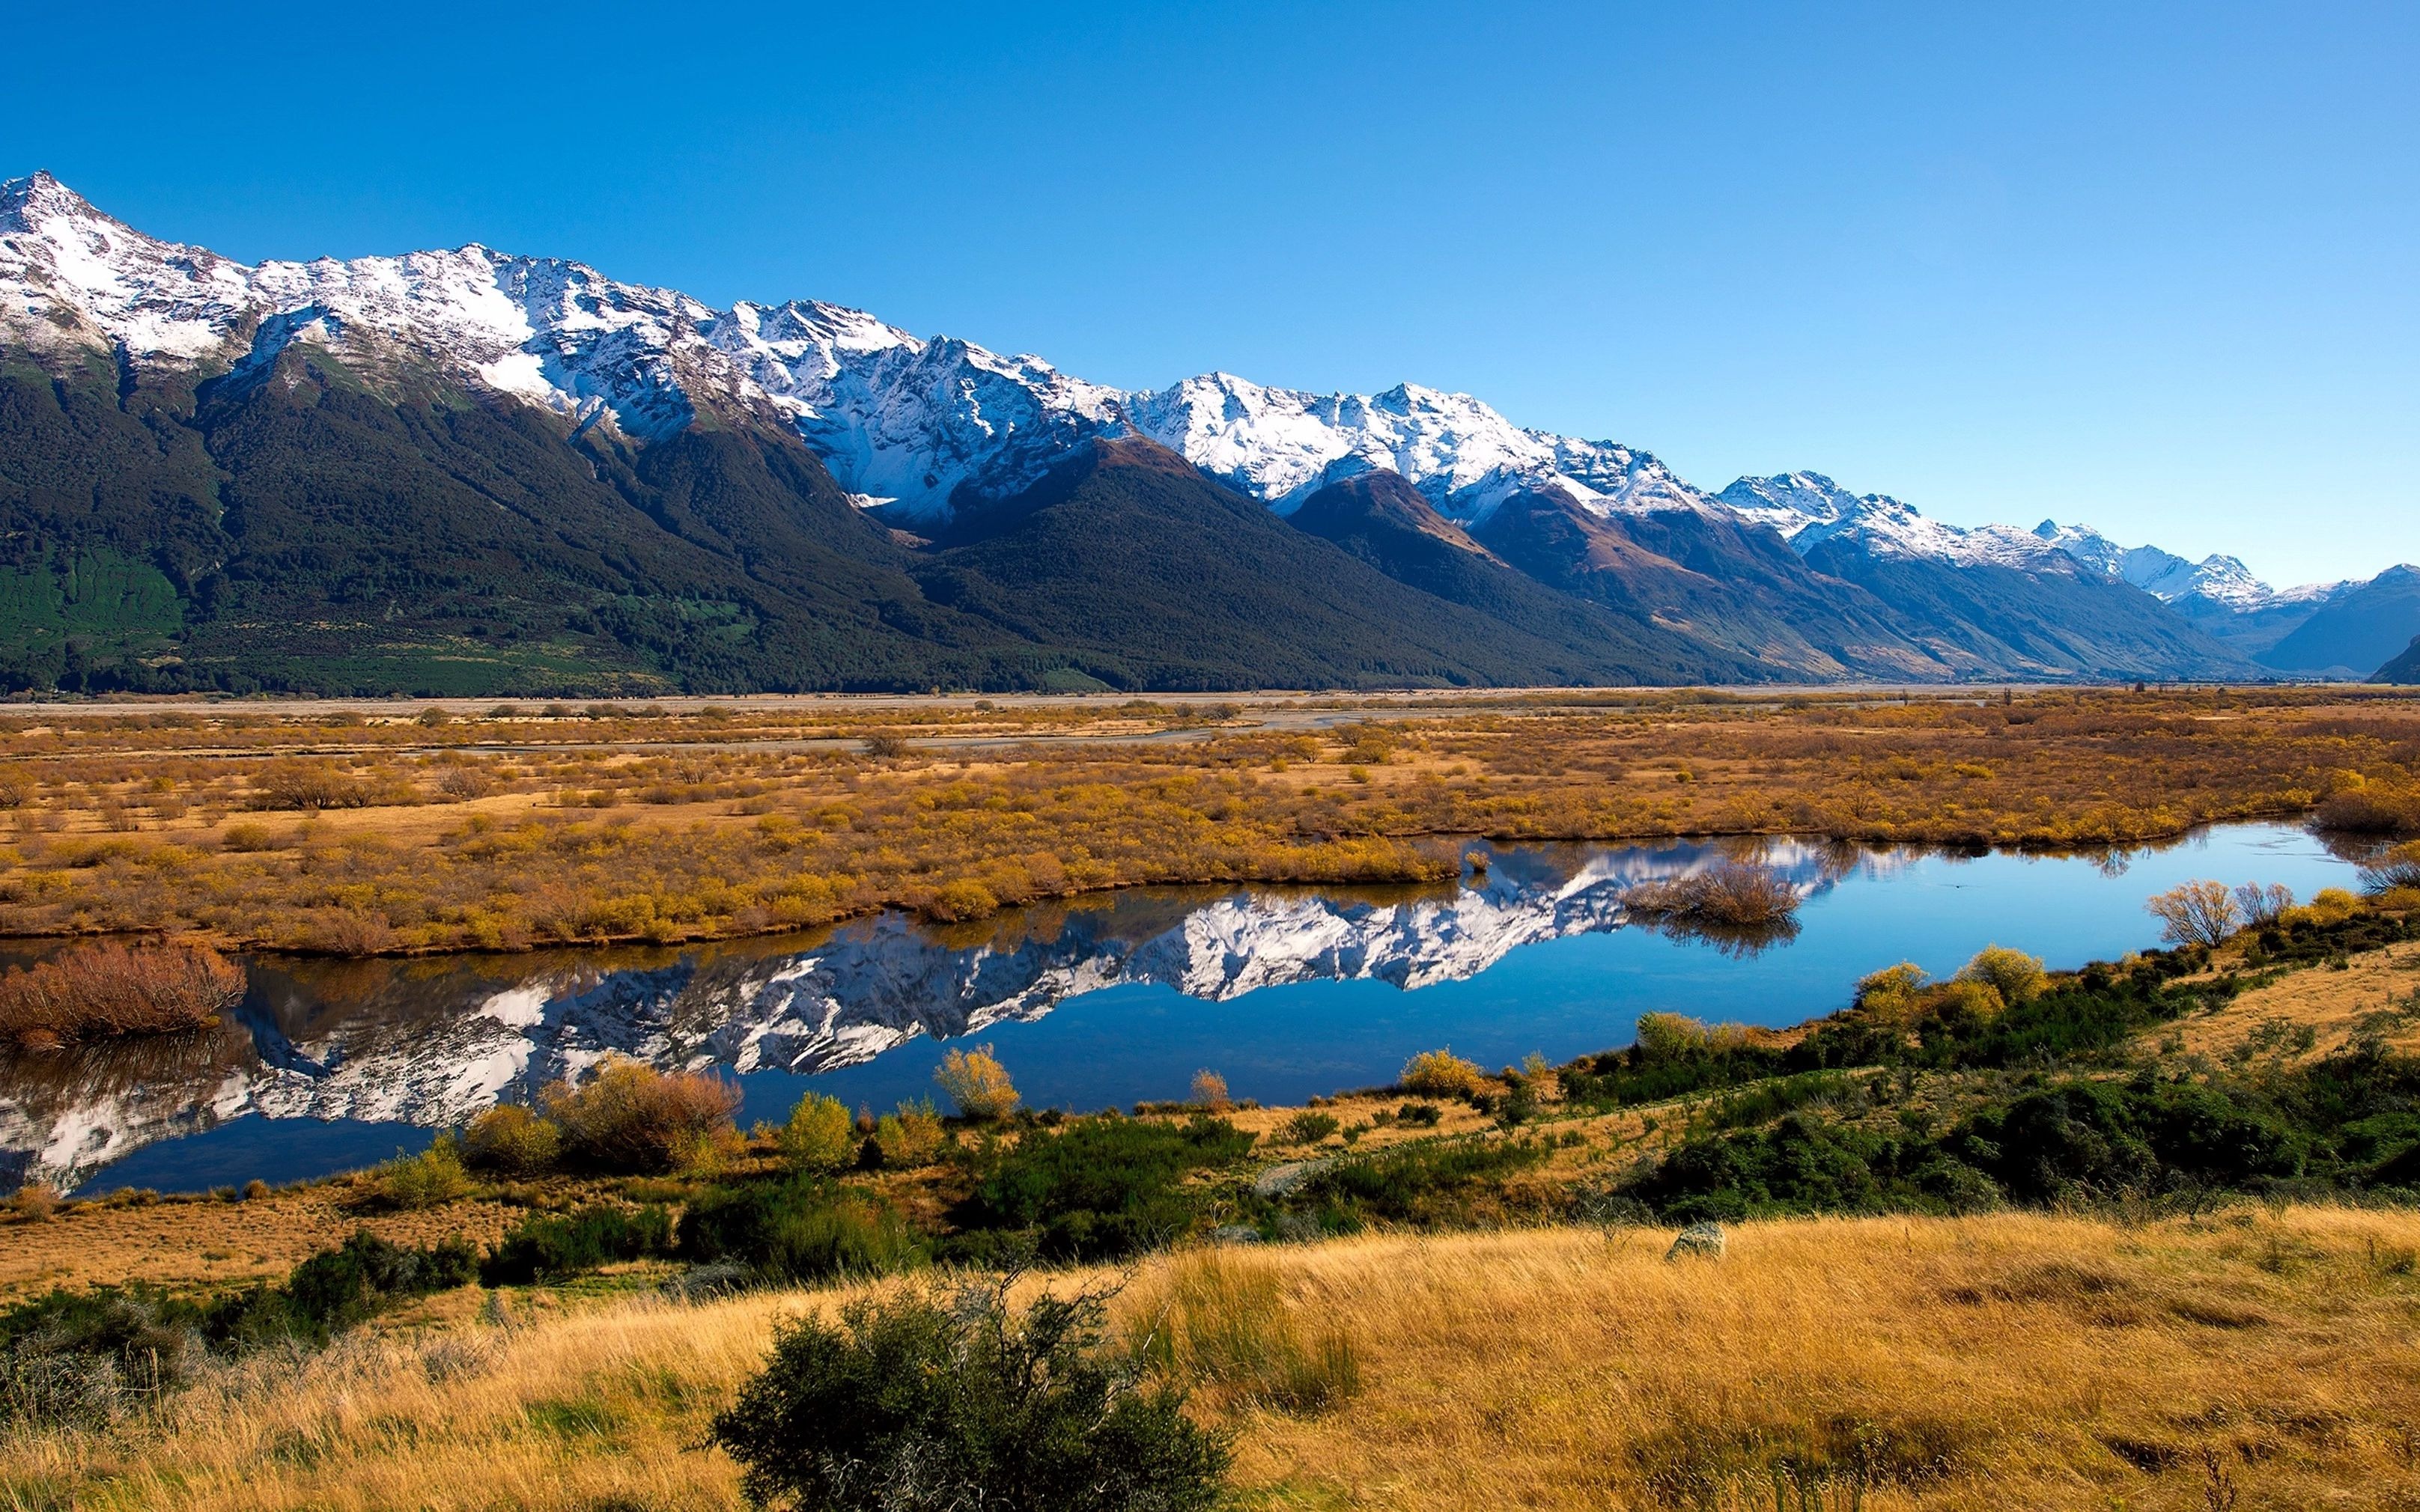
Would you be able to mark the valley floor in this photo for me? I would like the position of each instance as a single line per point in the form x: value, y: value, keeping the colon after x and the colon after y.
x: 2256, y: 1358
x: 375, y: 828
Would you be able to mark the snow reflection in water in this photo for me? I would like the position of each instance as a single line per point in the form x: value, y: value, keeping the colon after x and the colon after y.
x: 1287, y: 991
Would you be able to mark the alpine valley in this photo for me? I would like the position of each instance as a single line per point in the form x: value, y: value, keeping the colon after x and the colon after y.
x: 467, y: 472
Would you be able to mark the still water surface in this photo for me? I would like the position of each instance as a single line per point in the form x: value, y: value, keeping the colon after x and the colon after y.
x: 1287, y: 993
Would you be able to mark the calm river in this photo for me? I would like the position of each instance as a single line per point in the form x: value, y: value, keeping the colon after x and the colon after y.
x: 1286, y: 991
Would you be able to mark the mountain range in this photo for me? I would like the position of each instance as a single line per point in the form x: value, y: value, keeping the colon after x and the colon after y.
x: 463, y: 471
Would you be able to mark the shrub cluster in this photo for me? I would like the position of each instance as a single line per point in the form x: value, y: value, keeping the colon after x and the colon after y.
x: 550, y: 1247
x: 802, y: 1230
x: 934, y: 1399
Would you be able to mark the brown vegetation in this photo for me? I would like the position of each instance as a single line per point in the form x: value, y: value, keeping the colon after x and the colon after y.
x: 630, y: 1116
x: 1730, y: 893
x: 102, y: 989
x: 328, y: 830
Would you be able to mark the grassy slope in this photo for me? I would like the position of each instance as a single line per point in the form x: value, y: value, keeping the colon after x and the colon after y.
x: 1995, y: 1361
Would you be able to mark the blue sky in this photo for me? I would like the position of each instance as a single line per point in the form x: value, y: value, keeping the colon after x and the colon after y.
x: 2151, y: 267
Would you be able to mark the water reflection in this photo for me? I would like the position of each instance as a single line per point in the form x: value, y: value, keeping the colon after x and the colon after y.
x: 430, y: 1042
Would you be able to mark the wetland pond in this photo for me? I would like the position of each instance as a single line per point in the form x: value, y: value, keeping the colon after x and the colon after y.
x: 1287, y: 991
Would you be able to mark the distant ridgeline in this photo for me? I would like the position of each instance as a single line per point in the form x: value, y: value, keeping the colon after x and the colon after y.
x: 463, y: 473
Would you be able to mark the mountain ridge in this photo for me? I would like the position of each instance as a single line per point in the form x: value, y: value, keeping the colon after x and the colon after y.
x: 822, y: 407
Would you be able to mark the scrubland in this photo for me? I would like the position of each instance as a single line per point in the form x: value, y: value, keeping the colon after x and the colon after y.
x: 380, y: 828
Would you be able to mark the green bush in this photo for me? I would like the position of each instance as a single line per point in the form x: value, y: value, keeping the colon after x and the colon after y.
x: 1426, y: 1182
x: 1102, y: 1187
x: 86, y: 1357
x: 548, y: 1246
x: 930, y: 1401
x: 337, y: 1289
x: 1306, y: 1128
x: 798, y: 1230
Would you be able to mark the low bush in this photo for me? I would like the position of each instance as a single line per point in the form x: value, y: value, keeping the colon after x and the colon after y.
x: 337, y: 1289
x: 818, y: 1137
x: 1101, y: 1187
x: 632, y: 1118
x: 102, y: 989
x: 1210, y: 1093
x: 1306, y: 1128
x: 1430, y: 1184
x: 802, y: 1230
x: 87, y: 1357
x: 428, y: 1179
x: 549, y: 1246
x: 1420, y: 1114
x: 927, y: 1399
x: 511, y: 1140
x: 90, y: 1356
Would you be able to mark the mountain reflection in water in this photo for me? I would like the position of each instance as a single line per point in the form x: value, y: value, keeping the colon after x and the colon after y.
x: 430, y: 1042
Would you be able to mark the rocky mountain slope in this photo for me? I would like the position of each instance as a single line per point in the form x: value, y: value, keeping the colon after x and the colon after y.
x: 467, y: 471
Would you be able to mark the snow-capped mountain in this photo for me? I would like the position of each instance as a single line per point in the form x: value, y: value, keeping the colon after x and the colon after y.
x: 1809, y: 510
x: 2222, y: 580
x: 457, y: 1044
x: 912, y: 427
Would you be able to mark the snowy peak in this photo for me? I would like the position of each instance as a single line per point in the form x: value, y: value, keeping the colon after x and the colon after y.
x: 1284, y: 444
x: 2222, y: 580
x: 1809, y: 510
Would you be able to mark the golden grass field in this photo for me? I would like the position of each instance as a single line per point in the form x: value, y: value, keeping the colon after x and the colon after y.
x: 2249, y: 1358
x: 368, y: 829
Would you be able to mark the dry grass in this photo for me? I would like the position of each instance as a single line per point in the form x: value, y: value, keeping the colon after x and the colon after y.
x: 359, y: 829
x: 2376, y: 992
x: 1980, y: 1363
x: 204, y: 1241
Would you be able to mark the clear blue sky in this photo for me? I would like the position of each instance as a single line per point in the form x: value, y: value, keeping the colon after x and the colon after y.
x: 2147, y: 266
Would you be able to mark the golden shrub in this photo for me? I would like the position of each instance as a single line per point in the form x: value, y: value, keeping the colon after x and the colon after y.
x: 511, y: 1139
x: 2018, y: 978
x: 977, y: 1083
x: 1441, y: 1074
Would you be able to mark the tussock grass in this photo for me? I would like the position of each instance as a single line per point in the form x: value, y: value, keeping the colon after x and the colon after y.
x: 2014, y: 1360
